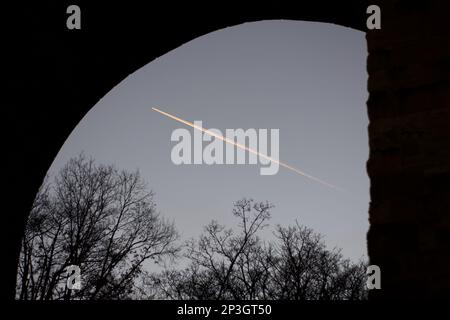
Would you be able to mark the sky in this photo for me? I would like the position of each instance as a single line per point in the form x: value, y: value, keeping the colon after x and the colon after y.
x: 306, y: 79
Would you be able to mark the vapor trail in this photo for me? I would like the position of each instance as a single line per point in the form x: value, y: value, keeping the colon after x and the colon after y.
x: 243, y: 147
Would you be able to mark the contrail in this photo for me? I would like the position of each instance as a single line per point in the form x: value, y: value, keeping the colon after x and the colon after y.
x: 243, y: 147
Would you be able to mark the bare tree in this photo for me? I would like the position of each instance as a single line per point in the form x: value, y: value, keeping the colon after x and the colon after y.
x: 105, y: 221
x: 225, y: 264
x: 302, y: 268
x: 98, y: 218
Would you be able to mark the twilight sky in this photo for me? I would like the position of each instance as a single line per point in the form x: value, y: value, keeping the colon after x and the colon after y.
x: 306, y: 79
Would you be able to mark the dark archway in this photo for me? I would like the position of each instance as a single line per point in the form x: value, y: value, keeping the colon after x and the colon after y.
x: 66, y: 72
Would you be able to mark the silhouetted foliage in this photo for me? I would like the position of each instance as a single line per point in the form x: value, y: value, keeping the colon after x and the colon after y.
x: 104, y: 221
x: 224, y: 264
x: 98, y: 218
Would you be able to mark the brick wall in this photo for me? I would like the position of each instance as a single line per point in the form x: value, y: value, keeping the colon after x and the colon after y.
x: 409, y: 137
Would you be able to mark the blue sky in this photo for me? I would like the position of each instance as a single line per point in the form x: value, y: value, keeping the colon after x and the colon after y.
x: 306, y: 79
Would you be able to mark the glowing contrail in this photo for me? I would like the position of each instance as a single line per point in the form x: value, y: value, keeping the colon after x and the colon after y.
x: 243, y: 147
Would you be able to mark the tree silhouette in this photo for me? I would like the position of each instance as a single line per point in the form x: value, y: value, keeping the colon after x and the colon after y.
x: 224, y: 264
x: 104, y: 221
x: 98, y: 218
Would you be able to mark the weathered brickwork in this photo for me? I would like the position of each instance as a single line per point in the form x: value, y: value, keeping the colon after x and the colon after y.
x: 409, y: 137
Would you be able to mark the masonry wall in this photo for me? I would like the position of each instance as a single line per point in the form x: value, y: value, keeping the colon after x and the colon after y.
x: 408, y: 107
x: 409, y: 137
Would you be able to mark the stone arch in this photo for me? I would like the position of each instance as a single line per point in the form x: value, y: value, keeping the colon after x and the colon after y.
x: 69, y: 71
